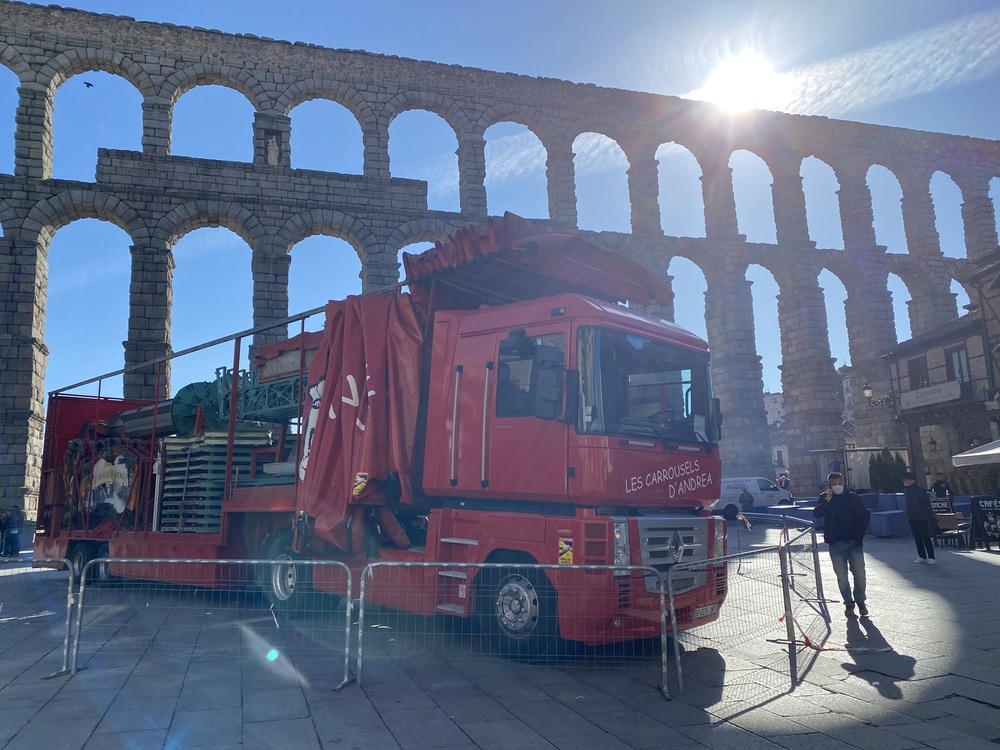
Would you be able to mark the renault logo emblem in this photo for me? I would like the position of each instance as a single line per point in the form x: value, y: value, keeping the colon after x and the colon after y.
x: 676, y: 546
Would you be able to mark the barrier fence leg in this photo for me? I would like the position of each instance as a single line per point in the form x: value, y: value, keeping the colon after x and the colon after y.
x: 673, y: 629
x: 79, y: 617
x: 664, y: 686
x: 789, y: 624
x: 819, y: 578
x: 361, y: 619
x: 70, y: 600
x: 347, y: 634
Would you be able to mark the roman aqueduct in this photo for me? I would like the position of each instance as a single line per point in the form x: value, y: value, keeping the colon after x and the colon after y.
x: 157, y: 198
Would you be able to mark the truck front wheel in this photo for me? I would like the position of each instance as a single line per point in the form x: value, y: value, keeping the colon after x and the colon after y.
x: 284, y: 582
x: 518, y: 612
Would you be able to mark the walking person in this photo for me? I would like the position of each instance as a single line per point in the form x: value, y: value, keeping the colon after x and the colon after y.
x: 844, y: 529
x: 12, y: 539
x: 921, y: 518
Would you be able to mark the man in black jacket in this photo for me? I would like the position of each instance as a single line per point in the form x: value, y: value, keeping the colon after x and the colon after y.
x: 844, y: 529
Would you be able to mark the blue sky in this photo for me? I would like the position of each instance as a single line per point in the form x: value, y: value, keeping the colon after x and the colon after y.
x: 920, y: 64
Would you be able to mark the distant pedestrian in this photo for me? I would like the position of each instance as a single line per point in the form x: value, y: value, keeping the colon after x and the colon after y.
x: 941, y: 488
x: 12, y: 537
x: 746, y: 501
x: 4, y: 528
x: 844, y: 528
x: 921, y: 517
x: 783, y: 482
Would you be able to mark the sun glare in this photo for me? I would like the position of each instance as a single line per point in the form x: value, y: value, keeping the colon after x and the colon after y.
x: 745, y: 81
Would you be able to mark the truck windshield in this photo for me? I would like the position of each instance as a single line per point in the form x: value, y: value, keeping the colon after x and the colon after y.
x: 638, y: 387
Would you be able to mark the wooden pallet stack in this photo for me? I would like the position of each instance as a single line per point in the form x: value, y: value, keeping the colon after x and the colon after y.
x: 194, y: 482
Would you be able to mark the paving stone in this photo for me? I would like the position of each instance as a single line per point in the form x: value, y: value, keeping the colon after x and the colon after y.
x: 206, y: 728
x: 280, y: 734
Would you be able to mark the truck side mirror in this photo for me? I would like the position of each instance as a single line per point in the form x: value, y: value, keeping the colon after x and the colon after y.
x: 547, y: 389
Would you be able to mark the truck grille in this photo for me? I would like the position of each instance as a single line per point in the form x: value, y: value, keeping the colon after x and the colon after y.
x: 663, y: 538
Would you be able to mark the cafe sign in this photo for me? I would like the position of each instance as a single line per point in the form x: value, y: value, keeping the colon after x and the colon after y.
x: 934, y: 394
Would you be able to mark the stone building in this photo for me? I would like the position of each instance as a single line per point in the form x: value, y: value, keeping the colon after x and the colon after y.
x: 157, y: 198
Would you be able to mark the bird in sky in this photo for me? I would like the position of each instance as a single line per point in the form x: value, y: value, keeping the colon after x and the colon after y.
x: 88, y: 84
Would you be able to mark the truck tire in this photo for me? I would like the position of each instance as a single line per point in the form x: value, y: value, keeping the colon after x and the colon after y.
x: 83, y: 553
x: 285, y: 584
x: 101, y: 572
x: 518, y: 612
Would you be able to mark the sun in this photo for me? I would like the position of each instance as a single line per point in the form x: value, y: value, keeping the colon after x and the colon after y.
x: 744, y: 81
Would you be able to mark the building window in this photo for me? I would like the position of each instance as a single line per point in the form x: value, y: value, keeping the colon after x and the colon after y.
x: 918, y: 373
x: 781, y: 458
x: 957, y: 362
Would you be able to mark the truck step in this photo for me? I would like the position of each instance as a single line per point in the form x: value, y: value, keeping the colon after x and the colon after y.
x: 459, y: 540
x: 452, y: 574
x: 451, y: 609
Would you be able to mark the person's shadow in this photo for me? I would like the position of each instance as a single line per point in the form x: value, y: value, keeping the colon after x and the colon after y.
x: 875, y: 661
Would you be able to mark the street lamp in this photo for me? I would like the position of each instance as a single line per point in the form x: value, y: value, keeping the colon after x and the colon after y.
x: 932, y: 443
x: 888, y: 400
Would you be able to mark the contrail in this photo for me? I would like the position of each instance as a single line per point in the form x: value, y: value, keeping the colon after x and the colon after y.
x: 966, y: 49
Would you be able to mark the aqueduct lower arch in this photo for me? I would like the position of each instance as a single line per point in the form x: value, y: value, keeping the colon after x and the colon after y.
x: 154, y: 195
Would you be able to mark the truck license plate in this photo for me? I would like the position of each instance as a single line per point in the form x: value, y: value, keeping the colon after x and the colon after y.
x: 699, y: 612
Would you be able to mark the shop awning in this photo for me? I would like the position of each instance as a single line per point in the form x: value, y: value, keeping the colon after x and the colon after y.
x: 984, y: 454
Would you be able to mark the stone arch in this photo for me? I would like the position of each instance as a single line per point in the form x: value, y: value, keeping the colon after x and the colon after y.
x: 10, y: 57
x: 535, y: 120
x: 818, y: 168
x: 447, y: 109
x: 890, y: 221
x: 335, y: 91
x: 420, y: 230
x: 74, y: 61
x: 666, y: 197
x: 331, y: 223
x: 209, y: 213
x: 753, y: 200
x: 600, y: 128
x: 49, y: 215
x: 231, y: 77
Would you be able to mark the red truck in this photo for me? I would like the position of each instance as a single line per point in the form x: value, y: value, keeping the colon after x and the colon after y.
x: 507, y: 409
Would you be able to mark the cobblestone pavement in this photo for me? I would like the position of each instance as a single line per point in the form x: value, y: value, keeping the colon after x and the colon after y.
x: 922, y: 672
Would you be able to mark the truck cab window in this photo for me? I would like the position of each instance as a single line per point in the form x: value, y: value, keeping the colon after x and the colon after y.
x: 633, y: 386
x: 529, y: 375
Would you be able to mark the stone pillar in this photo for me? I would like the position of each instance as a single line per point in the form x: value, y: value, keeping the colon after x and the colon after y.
x: 271, y: 140
x: 23, y: 288
x: 871, y: 332
x: 933, y: 306
x: 33, y: 134
x: 978, y: 214
x: 737, y: 372
x: 269, y: 266
x: 789, y: 202
x: 150, y: 301
x: 717, y: 193
x: 472, y: 174
x: 857, y: 220
x: 922, y: 238
x: 156, y: 118
x: 644, y: 189
x: 561, y: 174
x: 375, y: 136
x: 810, y: 385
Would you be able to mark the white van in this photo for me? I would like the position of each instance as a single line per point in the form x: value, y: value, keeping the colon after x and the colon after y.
x: 763, y: 491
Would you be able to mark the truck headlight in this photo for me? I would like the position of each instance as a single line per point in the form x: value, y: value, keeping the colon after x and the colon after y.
x: 719, y: 547
x: 623, y: 553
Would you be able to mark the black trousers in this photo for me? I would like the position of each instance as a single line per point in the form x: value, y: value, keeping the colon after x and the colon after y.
x: 923, y: 537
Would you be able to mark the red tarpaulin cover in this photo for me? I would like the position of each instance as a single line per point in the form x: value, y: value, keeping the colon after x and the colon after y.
x: 360, y: 414
x: 511, y: 259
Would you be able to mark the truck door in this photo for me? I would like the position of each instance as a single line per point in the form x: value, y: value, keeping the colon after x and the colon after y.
x: 527, y: 432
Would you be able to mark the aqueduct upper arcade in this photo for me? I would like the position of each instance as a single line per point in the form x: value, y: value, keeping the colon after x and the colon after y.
x: 156, y: 197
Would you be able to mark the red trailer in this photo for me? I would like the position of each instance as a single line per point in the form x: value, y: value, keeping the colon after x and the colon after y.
x: 507, y: 409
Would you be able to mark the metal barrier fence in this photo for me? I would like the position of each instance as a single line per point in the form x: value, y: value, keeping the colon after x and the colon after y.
x: 772, y: 580
x: 620, y: 609
x: 35, y: 601
x: 215, y: 608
